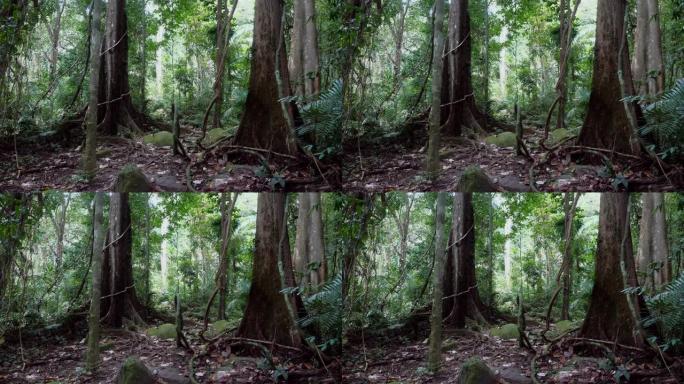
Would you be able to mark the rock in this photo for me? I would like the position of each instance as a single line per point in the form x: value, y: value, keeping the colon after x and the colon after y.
x: 218, y: 327
x: 503, y: 140
x: 513, y: 375
x: 558, y: 135
x: 474, y: 179
x: 215, y: 135
x: 449, y: 344
x: 506, y: 331
x: 475, y: 371
x: 172, y: 375
x: 132, y: 179
x: 133, y: 371
x: 565, y: 325
x: 164, y: 331
x: 159, y: 139
x: 169, y: 183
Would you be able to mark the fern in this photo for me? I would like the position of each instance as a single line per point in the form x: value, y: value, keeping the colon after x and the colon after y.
x: 324, y: 308
x: 665, y: 121
x: 667, y: 310
x: 322, y: 119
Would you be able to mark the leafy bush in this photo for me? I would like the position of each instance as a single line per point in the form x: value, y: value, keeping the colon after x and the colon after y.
x: 324, y: 310
x: 667, y: 311
x: 665, y: 121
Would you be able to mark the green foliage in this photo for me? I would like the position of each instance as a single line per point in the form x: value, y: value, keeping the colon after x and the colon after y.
x: 322, y: 119
x: 666, y: 122
x: 667, y: 312
x: 324, y: 311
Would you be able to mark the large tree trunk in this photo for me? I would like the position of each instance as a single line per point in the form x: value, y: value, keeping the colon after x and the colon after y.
x: 118, y: 291
x: 309, y: 257
x: 116, y: 109
x: 648, y: 67
x: 458, y: 100
x: 607, y: 124
x: 460, y: 282
x: 660, y: 245
x: 654, y: 267
x: 435, y: 352
x: 93, y: 354
x: 644, y: 257
x: 264, y: 123
x: 267, y: 316
x: 610, y: 317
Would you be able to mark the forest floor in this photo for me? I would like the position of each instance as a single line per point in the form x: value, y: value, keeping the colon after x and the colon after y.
x: 223, y: 168
x: 402, y: 359
x: 60, y: 358
x: 400, y: 165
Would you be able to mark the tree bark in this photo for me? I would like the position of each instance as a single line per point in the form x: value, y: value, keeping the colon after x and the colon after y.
x: 263, y: 124
x: 607, y: 124
x: 91, y: 119
x: 309, y: 246
x: 644, y: 258
x: 458, y: 100
x: 267, y: 316
x: 609, y: 316
x: 460, y: 282
x: 226, y: 208
x: 660, y: 245
x: 92, y: 356
x: 647, y: 66
x: 435, y: 351
x: 434, y: 139
x: 115, y: 108
x: 118, y: 291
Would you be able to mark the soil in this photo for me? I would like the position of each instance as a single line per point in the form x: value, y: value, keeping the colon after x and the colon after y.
x: 62, y: 359
x: 402, y: 359
x: 224, y: 168
x: 399, y: 164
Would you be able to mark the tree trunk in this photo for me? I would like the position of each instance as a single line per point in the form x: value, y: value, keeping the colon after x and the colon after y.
x: 59, y: 225
x: 309, y: 257
x: 116, y: 109
x: 92, y: 357
x: 607, y: 125
x: 226, y: 208
x: 435, y: 351
x: 458, y: 101
x: 490, y: 250
x: 297, y: 36
x: 433, y: 163
x: 54, y: 32
x: 312, y: 75
x: 118, y: 290
x: 91, y: 119
x: 16, y: 209
x: 460, y: 282
x: 267, y: 316
x: 660, y: 246
x: 648, y: 67
x: 609, y: 316
x: 264, y: 124
x: 644, y: 258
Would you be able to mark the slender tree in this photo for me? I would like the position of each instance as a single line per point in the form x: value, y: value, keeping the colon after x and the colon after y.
x: 227, y: 205
x: 433, y: 163
x: 435, y: 351
x: 647, y: 66
x: 653, y: 264
x: 93, y: 353
x: 91, y: 119
x: 309, y: 256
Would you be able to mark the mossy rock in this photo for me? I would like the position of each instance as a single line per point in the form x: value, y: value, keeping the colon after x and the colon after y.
x: 164, y: 331
x: 565, y: 325
x: 475, y: 371
x: 133, y: 371
x: 448, y: 345
x: 132, y: 179
x: 215, y: 135
x: 558, y: 135
x: 218, y: 327
x: 159, y: 139
x: 474, y: 179
x: 503, y: 140
x: 506, y: 331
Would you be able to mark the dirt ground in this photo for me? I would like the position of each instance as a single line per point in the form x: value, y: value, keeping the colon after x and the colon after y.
x: 58, y: 359
x: 402, y: 359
